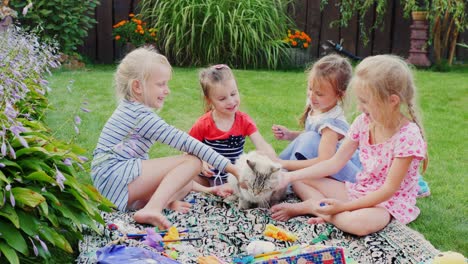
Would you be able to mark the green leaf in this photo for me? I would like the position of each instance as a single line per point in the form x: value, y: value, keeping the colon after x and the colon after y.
x: 3, y: 178
x: 8, y: 212
x: 40, y: 176
x: 45, y: 12
x: 55, y: 238
x: 13, y: 237
x: 67, y: 212
x: 38, y: 150
x: 33, y: 164
x: 52, y: 197
x: 28, y: 223
x: 27, y: 196
x: 45, y: 208
x: 9, y: 253
x: 9, y: 163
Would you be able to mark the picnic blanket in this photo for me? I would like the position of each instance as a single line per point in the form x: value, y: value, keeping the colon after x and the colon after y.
x: 226, y: 231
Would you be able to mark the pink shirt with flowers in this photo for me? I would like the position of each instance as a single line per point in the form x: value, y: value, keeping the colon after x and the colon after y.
x: 376, y: 162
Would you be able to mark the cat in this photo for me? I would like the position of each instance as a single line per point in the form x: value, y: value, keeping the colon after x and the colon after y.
x: 258, y: 179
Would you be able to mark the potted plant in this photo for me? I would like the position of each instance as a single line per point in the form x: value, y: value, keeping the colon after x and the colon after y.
x: 133, y: 33
x: 297, y: 43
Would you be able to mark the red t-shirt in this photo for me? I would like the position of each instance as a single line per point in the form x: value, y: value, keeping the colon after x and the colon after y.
x: 227, y: 143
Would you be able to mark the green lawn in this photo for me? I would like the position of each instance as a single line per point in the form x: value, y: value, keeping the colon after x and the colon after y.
x: 278, y: 97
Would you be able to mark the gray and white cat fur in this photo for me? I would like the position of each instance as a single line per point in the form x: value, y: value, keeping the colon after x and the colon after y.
x: 258, y: 178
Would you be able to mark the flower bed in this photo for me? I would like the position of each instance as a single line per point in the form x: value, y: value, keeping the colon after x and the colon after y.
x: 42, y: 204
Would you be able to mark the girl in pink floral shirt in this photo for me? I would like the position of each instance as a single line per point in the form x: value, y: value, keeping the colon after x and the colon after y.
x: 390, y: 138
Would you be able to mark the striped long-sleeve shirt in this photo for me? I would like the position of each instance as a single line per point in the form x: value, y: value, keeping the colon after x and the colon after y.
x: 126, y: 139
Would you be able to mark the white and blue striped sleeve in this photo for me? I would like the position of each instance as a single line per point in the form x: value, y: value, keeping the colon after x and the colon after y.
x: 154, y: 128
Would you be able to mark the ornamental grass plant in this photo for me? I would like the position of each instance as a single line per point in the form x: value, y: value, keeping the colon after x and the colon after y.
x: 242, y: 34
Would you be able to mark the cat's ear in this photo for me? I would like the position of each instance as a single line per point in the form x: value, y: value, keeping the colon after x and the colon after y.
x: 251, y: 164
x: 275, y: 169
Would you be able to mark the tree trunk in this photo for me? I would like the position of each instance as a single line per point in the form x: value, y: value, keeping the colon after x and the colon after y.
x: 437, y: 44
x: 453, y: 43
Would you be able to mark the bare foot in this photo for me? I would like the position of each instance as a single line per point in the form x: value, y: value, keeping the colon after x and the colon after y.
x: 316, y: 220
x: 148, y: 216
x: 286, y: 211
x: 179, y: 206
x: 221, y: 190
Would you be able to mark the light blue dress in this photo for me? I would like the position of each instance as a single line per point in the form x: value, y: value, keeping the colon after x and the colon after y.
x: 306, y: 145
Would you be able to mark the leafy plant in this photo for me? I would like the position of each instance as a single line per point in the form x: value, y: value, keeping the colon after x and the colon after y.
x: 299, y: 39
x: 42, y: 205
x: 64, y: 21
x: 239, y: 33
x: 134, y: 31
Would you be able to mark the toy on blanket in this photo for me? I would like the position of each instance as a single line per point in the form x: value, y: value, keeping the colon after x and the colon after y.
x: 172, y: 234
x: 303, y: 254
x: 449, y: 257
x: 259, y: 247
x: 279, y: 233
x: 211, y: 260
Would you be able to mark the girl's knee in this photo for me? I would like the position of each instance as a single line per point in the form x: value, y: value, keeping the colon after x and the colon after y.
x: 193, y: 160
x: 360, y: 227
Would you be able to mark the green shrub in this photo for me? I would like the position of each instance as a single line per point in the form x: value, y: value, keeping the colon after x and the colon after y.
x: 65, y: 21
x: 42, y: 205
x: 240, y: 33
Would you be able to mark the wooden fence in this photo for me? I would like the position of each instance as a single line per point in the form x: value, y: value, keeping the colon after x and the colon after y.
x: 393, y: 37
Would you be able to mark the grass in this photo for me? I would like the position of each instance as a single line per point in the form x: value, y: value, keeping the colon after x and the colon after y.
x: 277, y: 97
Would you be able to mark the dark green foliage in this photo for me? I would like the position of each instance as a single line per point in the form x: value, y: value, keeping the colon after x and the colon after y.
x: 64, y: 21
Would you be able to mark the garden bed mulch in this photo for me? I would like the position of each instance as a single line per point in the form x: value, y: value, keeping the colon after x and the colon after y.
x: 226, y: 232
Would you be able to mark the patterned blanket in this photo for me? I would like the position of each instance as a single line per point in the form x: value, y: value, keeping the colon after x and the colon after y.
x: 226, y: 231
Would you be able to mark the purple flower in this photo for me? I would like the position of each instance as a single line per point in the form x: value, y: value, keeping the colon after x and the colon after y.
x: 67, y: 162
x: 3, y: 149
x: 25, y: 11
x: 59, y: 178
x: 36, y: 252
x: 43, y: 245
x: 10, y: 111
x: 23, y: 141
x: 83, y: 158
x: 12, y: 152
x: 86, y: 110
x: 77, y: 120
x: 77, y: 130
x: 12, y: 198
x: 2, y: 165
x: 153, y: 239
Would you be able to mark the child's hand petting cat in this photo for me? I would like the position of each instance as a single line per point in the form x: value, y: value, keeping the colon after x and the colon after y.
x: 283, y: 180
x: 207, y: 169
x: 224, y: 190
x: 281, y: 132
x: 330, y: 206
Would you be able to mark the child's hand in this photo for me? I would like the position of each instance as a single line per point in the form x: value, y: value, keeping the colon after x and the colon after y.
x: 207, y: 169
x: 280, y: 132
x: 222, y: 190
x: 330, y: 206
x: 283, y: 180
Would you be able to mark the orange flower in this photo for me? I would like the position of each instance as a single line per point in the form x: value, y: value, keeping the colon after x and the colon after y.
x: 134, y: 31
x: 299, y: 39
